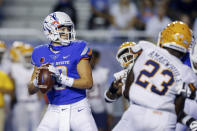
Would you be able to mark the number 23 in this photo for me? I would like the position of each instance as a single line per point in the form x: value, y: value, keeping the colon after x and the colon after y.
x: 164, y: 84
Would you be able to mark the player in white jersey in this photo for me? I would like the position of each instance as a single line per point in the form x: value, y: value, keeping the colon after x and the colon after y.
x: 95, y: 94
x: 27, y: 109
x: 156, y: 76
x: 126, y: 59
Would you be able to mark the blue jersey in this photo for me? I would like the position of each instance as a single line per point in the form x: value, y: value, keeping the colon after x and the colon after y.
x: 65, y: 61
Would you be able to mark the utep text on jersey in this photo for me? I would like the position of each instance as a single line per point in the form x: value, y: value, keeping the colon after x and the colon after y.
x: 65, y: 61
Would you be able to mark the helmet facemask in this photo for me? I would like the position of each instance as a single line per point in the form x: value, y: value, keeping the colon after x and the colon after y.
x: 70, y: 34
x: 126, y: 58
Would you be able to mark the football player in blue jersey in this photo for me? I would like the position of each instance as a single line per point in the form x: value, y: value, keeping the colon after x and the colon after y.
x: 69, y: 62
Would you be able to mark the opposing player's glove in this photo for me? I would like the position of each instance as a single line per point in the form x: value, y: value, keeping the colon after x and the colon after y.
x: 193, y: 126
x: 120, y: 75
x: 184, y: 90
x: 187, y: 90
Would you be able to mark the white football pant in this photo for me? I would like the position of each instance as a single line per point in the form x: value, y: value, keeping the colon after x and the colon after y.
x: 137, y: 118
x: 76, y: 116
x: 191, y: 109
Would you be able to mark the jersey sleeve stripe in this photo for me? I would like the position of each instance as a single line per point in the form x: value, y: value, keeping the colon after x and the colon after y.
x: 84, y: 51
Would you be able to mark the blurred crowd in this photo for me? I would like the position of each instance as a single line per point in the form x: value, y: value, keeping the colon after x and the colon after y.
x: 150, y: 16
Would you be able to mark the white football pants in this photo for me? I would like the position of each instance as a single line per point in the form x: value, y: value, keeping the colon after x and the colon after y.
x: 191, y: 109
x: 76, y: 116
x: 137, y: 118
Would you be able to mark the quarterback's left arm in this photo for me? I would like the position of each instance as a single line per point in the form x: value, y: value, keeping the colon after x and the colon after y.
x: 85, y: 72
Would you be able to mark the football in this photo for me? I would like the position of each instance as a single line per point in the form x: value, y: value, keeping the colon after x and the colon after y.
x: 45, y: 80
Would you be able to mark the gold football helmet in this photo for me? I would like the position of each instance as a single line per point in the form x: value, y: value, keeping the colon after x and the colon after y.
x: 2, y: 46
x: 26, y: 53
x: 21, y: 52
x: 177, y: 35
x: 15, y: 51
x: 27, y: 50
x: 125, y: 56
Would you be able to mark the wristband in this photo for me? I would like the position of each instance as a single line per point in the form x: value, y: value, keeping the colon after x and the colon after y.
x: 188, y: 123
x: 107, y: 99
x: 65, y: 80
x: 186, y: 119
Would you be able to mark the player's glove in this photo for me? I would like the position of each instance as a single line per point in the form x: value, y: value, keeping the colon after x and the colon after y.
x: 184, y: 90
x: 62, y: 79
x: 53, y: 70
x: 187, y: 90
x: 193, y: 126
x: 121, y: 74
